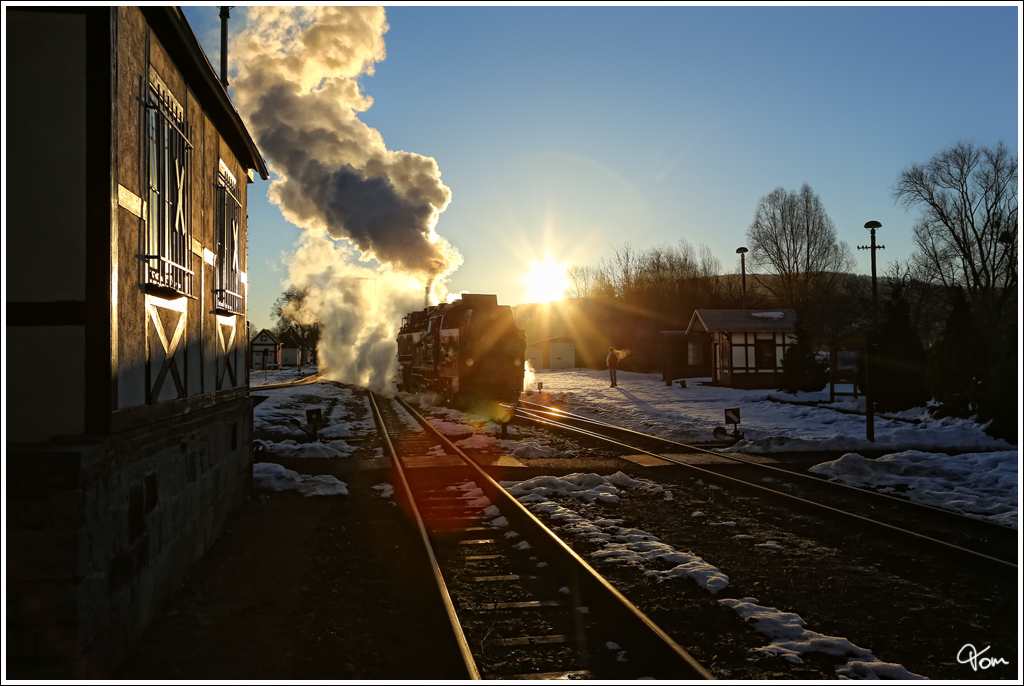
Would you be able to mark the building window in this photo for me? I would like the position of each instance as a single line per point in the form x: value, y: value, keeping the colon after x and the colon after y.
x: 694, y: 354
x: 227, y: 287
x: 167, y: 238
x: 764, y: 354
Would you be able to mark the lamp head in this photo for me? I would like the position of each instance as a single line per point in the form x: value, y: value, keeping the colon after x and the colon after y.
x: 740, y: 251
x: 873, y: 225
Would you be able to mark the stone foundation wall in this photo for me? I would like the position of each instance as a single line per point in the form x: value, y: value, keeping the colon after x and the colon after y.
x: 100, y: 535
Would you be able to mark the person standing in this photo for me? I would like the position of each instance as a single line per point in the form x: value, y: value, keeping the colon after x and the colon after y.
x: 613, y: 365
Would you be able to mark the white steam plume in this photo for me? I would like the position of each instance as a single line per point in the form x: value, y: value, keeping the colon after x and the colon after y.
x: 296, y: 88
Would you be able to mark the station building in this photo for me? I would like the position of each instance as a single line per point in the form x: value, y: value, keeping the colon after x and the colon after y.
x: 747, y: 346
x: 128, y: 417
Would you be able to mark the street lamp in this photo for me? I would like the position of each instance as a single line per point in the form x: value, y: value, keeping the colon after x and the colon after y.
x: 869, y: 400
x: 743, y: 273
x: 871, y: 226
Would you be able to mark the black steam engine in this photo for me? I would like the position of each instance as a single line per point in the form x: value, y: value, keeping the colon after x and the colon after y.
x: 464, y: 351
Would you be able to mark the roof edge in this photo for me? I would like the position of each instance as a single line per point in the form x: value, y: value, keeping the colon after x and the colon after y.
x: 177, y: 36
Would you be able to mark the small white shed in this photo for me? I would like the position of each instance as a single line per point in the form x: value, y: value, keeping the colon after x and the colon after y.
x: 266, y: 350
x: 552, y: 353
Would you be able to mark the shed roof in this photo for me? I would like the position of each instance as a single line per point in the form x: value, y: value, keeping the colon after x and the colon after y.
x: 288, y: 340
x: 682, y: 336
x: 549, y: 341
x: 742, y: 320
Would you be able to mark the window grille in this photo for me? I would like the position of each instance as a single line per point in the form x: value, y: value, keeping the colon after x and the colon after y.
x: 227, y: 288
x: 167, y: 238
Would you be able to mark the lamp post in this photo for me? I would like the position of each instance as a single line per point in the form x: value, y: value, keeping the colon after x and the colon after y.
x: 869, y: 400
x: 743, y: 274
x: 872, y: 226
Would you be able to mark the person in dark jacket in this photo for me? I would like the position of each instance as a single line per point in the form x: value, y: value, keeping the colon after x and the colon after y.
x: 613, y: 365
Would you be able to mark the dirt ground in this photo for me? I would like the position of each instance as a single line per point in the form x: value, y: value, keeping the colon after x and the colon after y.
x: 328, y: 587
x: 303, y: 588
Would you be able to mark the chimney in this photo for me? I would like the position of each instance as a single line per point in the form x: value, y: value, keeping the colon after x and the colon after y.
x: 224, y: 13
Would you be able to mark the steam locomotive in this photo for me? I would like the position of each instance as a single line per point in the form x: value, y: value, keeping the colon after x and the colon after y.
x: 464, y: 351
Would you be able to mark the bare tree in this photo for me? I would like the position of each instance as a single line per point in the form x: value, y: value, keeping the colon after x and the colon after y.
x: 624, y: 270
x: 586, y: 283
x: 793, y: 246
x: 967, y: 233
x: 291, y: 317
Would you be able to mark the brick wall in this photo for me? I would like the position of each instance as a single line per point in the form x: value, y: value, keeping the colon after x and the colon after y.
x: 100, y: 535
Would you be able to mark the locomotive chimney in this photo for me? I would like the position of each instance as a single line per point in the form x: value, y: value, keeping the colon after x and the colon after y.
x: 224, y: 13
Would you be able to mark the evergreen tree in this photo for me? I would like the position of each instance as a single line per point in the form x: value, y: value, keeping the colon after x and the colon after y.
x: 897, y: 358
x: 995, y: 395
x: 802, y: 370
x: 954, y: 368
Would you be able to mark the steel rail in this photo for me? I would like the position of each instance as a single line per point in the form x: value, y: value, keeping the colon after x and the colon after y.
x: 289, y: 384
x: 525, y: 414
x: 557, y: 412
x: 460, y: 638
x: 511, y: 506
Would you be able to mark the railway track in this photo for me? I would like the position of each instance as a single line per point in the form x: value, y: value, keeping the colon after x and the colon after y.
x: 301, y: 381
x: 894, y: 516
x: 522, y: 604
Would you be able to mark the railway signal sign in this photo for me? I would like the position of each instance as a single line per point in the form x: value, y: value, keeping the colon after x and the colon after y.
x: 732, y: 415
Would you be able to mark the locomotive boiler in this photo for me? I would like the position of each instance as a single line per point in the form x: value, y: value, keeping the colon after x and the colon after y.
x: 464, y: 351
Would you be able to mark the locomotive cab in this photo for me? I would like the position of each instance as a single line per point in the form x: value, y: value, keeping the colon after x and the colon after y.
x: 464, y: 351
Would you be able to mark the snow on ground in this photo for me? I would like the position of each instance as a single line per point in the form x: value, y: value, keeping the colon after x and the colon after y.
x: 268, y: 476
x: 982, y: 485
x: 647, y: 555
x: 284, y: 414
x: 771, y: 421
x: 790, y: 640
x: 948, y: 463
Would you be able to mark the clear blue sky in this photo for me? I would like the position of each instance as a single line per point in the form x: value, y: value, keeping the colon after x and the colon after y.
x: 569, y: 131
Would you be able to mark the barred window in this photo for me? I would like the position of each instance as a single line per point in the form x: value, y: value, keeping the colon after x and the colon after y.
x: 228, y: 287
x: 167, y: 238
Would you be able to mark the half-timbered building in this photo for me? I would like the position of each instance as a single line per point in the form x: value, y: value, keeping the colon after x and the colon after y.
x: 747, y: 346
x: 128, y: 418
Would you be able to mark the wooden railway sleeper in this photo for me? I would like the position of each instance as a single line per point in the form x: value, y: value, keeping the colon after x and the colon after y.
x: 541, y: 636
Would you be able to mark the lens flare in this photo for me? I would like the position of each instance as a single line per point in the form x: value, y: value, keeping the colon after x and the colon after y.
x: 546, y: 280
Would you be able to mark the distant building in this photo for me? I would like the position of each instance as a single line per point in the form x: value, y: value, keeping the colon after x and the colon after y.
x: 128, y: 419
x: 265, y: 350
x: 552, y: 353
x: 293, y: 353
x: 846, y: 360
x: 685, y: 355
x: 747, y: 346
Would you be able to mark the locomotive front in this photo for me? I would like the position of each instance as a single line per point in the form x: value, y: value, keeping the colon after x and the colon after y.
x: 466, y: 351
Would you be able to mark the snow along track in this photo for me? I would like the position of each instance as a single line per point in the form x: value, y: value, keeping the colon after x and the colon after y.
x: 962, y: 535
x: 516, y: 615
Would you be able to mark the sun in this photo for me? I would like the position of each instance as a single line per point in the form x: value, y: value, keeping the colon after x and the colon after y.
x: 545, y: 280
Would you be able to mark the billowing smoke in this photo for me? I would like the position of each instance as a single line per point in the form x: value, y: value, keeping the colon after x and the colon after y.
x: 296, y: 87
